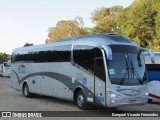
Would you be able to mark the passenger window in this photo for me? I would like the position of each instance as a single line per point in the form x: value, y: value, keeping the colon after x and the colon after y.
x: 52, y: 54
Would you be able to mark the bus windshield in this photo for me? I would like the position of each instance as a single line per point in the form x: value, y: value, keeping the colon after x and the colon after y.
x: 126, y: 67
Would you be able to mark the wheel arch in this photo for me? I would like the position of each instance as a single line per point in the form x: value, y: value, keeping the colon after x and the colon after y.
x: 76, y: 90
x: 25, y: 82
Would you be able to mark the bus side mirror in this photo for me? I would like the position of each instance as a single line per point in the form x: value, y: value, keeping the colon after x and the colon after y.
x: 108, y: 52
x: 149, y: 51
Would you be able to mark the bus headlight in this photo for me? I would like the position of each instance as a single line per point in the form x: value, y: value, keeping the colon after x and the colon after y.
x: 113, y: 95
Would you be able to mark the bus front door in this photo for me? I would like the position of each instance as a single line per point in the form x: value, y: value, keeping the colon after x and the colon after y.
x: 99, y: 81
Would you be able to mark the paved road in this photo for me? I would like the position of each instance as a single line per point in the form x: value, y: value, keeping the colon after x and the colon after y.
x: 11, y: 100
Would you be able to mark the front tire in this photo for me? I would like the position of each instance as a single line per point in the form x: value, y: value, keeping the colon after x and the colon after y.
x: 81, y: 100
x: 26, y: 92
x: 149, y: 100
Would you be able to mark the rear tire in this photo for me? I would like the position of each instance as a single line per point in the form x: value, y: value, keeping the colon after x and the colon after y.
x: 26, y: 92
x: 81, y: 100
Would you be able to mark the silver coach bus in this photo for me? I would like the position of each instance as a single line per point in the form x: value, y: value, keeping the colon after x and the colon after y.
x: 102, y: 69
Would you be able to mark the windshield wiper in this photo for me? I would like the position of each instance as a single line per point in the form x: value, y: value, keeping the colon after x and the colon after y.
x: 134, y: 72
x: 126, y: 71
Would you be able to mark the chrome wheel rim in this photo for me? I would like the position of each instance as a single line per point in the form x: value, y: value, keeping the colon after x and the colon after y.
x: 26, y: 91
x: 80, y: 100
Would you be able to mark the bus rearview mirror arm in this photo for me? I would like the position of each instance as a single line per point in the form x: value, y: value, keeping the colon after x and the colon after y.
x: 150, y: 52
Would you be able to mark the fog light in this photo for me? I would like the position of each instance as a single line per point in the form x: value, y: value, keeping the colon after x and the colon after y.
x: 146, y: 94
x: 113, y: 101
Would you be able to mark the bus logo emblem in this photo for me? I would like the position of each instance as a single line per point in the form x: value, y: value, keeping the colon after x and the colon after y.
x: 21, y: 69
x: 84, y: 81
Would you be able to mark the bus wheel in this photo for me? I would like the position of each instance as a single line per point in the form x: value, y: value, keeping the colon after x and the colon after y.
x: 81, y: 100
x: 149, y: 100
x: 26, y: 92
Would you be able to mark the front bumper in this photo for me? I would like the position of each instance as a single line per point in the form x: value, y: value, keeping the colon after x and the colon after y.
x: 119, y: 102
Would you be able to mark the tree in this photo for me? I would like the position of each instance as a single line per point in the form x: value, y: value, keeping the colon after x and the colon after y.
x: 140, y: 21
x: 155, y: 45
x: 3, y: 57
x: 64, y: 29
x: 105, y: 19
x: 158, y: 20
x: 141, y: 24
x: 86, y: 31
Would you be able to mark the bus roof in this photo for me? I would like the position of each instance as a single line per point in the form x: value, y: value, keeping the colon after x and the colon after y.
x: 105, y: 39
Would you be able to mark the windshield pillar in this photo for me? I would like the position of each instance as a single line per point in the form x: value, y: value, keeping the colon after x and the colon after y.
x: 108, y: 52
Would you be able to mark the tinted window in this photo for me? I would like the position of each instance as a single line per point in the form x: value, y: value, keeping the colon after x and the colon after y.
x: 59, y: 54
x: 99, y: 69
x: 24, y: 56
x: 150, y: 66
x: 54, y: 54
x: 124, y: 49
x: 153, y: 67
x: 84, y: 56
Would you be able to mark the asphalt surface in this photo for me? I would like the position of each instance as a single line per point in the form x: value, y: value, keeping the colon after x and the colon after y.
x: 11, y: 100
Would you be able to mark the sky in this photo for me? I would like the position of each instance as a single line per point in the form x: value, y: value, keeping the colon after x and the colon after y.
x: 27, y: 21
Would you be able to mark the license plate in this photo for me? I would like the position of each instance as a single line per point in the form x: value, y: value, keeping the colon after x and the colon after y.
x: 132, y: 101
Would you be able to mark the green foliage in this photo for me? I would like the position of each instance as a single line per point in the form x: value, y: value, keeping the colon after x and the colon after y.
x: 140, y: 22
x: 64, y: 29
x: 155, y: 45
x: 69, y: 28
x: 3, y: 57
x: 86, y: 31
x: 158, y: 20
x: 105, y: 19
